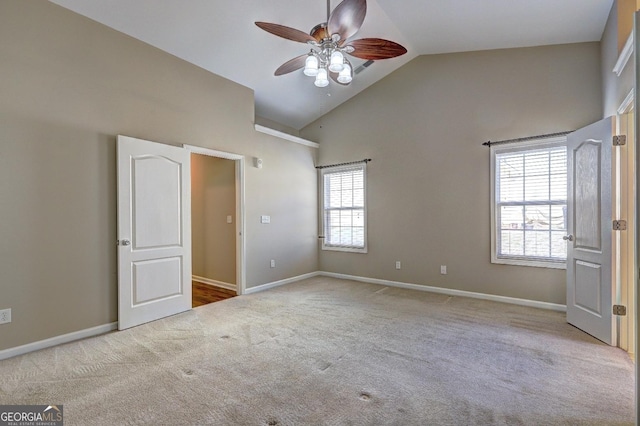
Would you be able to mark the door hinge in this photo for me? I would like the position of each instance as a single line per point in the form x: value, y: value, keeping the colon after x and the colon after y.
x: 619, y: 310
x: 619, y: 140
x: 620, y: 225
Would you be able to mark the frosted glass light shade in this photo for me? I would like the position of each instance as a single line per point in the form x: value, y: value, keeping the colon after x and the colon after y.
x: 337, y: 61
x: 322, y: 78
x: 311, y: 66
x: 345, y: 75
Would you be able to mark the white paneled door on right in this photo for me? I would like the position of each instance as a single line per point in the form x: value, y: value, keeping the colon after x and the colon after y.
x: 154, y: 231
x: 590, y: 289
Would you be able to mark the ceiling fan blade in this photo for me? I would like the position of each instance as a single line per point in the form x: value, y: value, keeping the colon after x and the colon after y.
x: 286, y: 32
x: 347, y: 18
x: 292, y: 65
x: 375, y: 49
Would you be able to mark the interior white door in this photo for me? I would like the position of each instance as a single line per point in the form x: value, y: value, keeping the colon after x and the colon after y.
x: 154, y: 231
x: 589, y: 222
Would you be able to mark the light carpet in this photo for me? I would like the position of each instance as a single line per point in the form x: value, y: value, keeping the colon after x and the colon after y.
x: 325, y: 351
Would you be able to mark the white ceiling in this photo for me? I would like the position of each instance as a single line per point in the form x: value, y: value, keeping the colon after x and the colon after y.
x: 221, y: 37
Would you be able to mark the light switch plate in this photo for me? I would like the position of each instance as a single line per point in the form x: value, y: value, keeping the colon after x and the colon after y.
x: 265, y: 219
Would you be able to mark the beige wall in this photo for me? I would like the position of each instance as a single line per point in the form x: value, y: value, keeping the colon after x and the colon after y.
x: 68, y: 86
x: 428, y: 183
x: 625, y: 10
x: 213, y: 198
x: 276, y: 126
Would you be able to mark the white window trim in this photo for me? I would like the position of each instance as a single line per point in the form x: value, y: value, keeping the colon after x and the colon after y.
x: 322, y: 210
x: 540, y: 143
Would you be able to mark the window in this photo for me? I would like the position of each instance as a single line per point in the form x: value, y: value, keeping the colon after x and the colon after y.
x: 344, y: 208
x: 529, y: 203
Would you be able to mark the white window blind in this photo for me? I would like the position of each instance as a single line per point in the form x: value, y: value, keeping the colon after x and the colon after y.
x: 344, y: 204
x: 530, y: 204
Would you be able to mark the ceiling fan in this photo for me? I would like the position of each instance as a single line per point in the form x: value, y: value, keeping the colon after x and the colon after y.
x: 329, y: 44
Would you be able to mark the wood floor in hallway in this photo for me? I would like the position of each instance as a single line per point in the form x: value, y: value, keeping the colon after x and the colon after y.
x: 204, y: 294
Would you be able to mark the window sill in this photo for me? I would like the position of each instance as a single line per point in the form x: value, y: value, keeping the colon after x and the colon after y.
x: 531, y: 263
x: 345, y: 249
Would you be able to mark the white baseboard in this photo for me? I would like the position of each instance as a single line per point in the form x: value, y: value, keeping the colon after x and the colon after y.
x: 453, y: 292
x: 215, y: 283
x: 58, y: 340
x: 273, y: 284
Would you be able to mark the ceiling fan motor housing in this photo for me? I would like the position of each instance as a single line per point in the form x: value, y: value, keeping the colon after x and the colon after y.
x: 320, y: 32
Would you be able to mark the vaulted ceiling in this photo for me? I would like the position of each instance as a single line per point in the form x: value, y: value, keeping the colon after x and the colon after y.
x: 220, y: 36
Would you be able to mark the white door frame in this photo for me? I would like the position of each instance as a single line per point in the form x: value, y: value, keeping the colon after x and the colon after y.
x: 240, y: 209
x: 628, y: 268
x: 636, y: 83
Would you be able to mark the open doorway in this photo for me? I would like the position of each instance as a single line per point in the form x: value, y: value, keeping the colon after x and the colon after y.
x: 216, y: 225
x: 213, y: 241
x: 154, y: 229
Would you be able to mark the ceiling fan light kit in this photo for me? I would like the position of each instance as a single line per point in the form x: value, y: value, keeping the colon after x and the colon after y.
x: 336, y: 62
x: 311, y: 66
x: 346, y: 75
x: 326, y: 59
x: 321, y: 79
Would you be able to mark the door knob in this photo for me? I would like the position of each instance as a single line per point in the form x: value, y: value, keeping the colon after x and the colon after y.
x: 568, y: 237
x: 127, y: 242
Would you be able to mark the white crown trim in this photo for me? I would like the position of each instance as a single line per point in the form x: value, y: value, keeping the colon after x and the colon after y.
x: 286, y: 136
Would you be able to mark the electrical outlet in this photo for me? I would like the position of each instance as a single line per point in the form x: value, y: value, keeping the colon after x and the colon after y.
x: 273, y: 263
x: 443, y: 269
x: 5, y: 316
x: 398, y: 264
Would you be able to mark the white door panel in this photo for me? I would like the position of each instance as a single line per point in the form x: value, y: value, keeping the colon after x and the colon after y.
x: 156, y: 188
x: 156, y: 279
x: 154, y: 231
x: 589, y: 211
x: 587, y: 295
